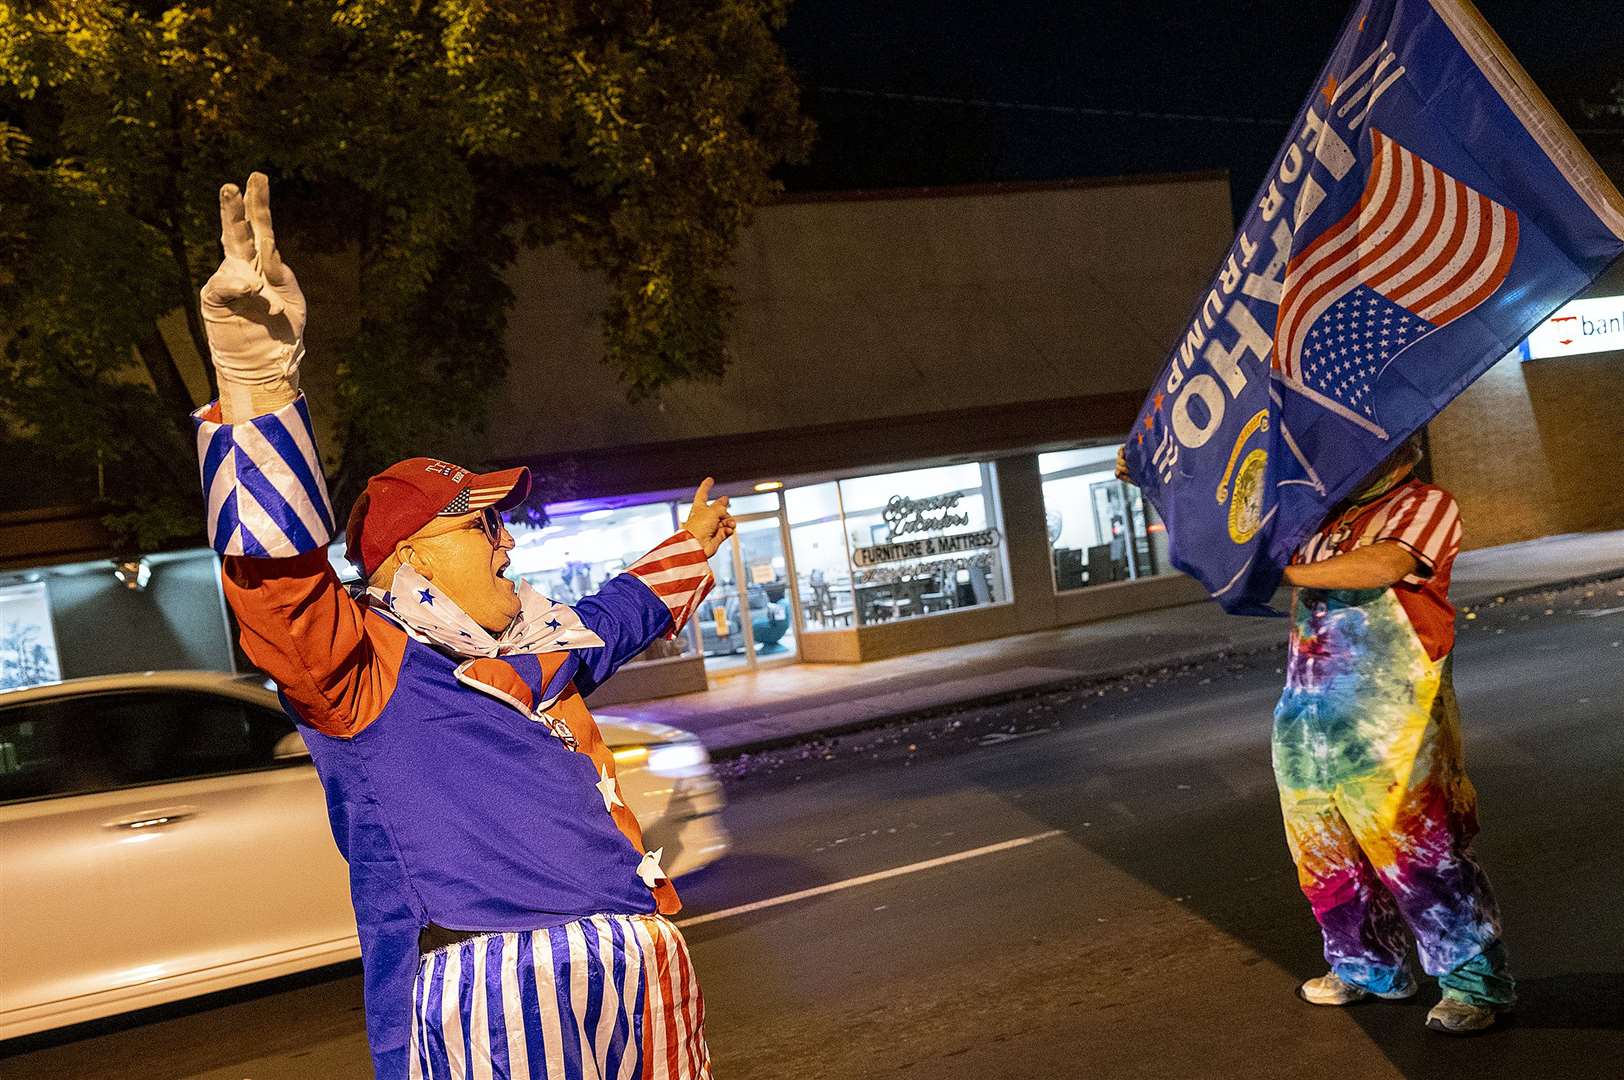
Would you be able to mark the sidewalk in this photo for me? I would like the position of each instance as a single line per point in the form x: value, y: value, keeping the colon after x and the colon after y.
x: 779, y: 705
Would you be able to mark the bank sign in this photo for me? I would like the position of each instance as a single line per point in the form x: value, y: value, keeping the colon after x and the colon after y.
x: 1427, y: 212
x: 1583, y: 326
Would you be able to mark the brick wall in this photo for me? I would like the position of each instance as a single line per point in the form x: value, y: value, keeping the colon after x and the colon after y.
x: 1533, y: 449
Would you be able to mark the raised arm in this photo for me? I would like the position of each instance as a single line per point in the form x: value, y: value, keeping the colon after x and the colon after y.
x: 657, y: 594
x: 269, y: 516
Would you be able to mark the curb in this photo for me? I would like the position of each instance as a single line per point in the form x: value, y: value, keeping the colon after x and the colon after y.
x: 1078, y: 682
x: 1083, y: 681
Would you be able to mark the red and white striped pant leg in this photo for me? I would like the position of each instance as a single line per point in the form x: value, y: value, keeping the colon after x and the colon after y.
x: 674, y: 1045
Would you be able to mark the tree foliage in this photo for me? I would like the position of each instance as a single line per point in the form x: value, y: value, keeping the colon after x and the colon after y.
x: 427, y: 139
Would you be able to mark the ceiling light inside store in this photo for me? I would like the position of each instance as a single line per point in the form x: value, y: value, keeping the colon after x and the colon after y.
x: 769, y: 485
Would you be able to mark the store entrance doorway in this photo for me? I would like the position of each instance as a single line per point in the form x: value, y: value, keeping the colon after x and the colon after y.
x: 750, y: 618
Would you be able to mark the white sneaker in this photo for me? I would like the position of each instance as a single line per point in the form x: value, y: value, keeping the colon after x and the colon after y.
x: 1452, y: 1016
x: 1330, y: 989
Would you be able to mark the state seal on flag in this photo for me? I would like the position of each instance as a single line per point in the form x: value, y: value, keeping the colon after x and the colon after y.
x: 1246, y: 501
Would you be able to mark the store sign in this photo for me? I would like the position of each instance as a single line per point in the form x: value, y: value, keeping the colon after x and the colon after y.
x: 929, y: 547
x: 906, y: 517
x: 1578, y: 327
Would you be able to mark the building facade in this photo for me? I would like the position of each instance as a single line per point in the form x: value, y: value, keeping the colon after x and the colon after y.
x: 917, y: 433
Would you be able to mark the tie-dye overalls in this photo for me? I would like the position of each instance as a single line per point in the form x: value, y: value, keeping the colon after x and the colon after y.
x: 1379, y: 813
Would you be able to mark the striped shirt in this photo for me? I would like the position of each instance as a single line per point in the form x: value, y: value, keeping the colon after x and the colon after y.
x: 1425, y: 521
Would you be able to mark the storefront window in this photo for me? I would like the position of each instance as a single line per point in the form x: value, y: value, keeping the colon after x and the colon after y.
x: 1100, y: 529
x: 821, y: 566
x: 575, y: 555
x: 923, y: 542
x: 27, y: 644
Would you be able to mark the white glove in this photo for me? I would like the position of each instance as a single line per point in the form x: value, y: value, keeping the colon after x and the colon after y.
x: 253, y: 311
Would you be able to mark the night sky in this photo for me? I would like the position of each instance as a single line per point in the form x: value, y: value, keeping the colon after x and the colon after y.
x: 1252, y: 63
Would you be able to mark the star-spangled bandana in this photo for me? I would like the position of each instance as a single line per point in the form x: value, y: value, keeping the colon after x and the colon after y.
x: 542, y: 626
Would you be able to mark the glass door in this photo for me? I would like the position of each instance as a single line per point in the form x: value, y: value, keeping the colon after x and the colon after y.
x: 765, y: 571
x: 721, y: 631
x: 749, y: 618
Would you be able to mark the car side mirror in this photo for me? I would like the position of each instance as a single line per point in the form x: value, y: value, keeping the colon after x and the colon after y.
x: 290, y: 747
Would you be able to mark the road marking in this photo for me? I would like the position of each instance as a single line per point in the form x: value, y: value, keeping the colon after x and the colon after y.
x: 1600, y: 613
x: 852, y: 883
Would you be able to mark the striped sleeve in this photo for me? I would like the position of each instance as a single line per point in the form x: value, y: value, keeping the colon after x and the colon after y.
x: 1425, y: 522
x: 679, y: 574
x: 263, y: 483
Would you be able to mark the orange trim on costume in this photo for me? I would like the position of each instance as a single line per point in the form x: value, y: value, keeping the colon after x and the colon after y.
x: 336, y: 662
x: 499, y: 679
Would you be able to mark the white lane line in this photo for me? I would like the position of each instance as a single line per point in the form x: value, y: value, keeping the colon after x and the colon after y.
x: 852, y: 883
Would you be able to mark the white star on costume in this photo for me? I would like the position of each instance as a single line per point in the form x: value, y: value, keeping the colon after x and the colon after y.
x: 649, y: 869
x: 606, y: 788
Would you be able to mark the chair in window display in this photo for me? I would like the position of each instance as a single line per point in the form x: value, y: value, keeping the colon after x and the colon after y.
x: 1068, y: 569
x: 816, y: 597
x: 1099, y: 564
x: 973, y: 587
x: 876, y: 602
x: 912, y: 592
x: 719, y: 631
x: 769, y: 622
x: 769, y: 619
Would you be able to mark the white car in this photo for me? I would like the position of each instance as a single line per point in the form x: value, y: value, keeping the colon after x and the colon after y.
x: 164, y: 835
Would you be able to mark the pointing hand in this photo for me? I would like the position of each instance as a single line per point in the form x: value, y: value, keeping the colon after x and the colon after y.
x: 710, y: 522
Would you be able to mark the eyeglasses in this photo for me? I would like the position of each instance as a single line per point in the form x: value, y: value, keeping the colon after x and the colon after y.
x: 489, y: 522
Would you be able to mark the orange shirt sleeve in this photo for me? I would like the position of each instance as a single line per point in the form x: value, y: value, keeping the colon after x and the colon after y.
x: 335, y: 663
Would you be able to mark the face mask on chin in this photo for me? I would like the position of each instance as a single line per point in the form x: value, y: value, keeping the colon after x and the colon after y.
x: 541, y: 625
x: 463, y: 567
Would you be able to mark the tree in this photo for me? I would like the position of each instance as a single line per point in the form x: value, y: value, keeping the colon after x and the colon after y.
x: 427, y: 140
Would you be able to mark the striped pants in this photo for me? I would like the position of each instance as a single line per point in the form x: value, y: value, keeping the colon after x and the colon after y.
x: 610, y: 997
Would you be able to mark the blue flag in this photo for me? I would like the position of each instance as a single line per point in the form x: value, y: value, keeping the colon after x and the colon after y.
x: 1427, y: 211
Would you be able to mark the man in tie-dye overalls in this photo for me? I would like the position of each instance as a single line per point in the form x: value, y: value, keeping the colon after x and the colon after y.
x: 1367, y: 752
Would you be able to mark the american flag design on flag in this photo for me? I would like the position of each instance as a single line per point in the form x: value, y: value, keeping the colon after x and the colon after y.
x: 1419, y: 250
x: 610, y: 997
x: 263, y: 483
x: 679, y: 574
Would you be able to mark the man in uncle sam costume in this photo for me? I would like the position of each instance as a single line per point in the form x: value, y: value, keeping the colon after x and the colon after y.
x: 1427, y: 211
x: 512, y: 923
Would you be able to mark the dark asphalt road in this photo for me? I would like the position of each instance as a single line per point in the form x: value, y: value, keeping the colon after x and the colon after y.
x: 1150, y: 927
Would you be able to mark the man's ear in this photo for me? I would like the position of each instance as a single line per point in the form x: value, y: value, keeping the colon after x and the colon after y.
x: 410, y: 556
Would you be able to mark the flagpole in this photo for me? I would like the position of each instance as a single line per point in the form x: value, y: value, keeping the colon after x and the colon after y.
x: 1531, y: 106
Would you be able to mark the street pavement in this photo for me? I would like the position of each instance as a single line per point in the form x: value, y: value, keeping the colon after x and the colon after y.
x: 745, y: 712
x: 1090, y: 882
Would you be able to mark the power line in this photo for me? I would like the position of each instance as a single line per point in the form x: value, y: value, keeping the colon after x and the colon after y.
x: 1061, y: 110
x: 1090, y: 110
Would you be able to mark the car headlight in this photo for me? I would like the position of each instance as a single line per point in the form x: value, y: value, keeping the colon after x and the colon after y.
x: 679, y: 760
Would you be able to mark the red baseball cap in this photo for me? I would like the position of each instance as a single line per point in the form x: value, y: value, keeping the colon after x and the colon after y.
x: 409, y: 494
